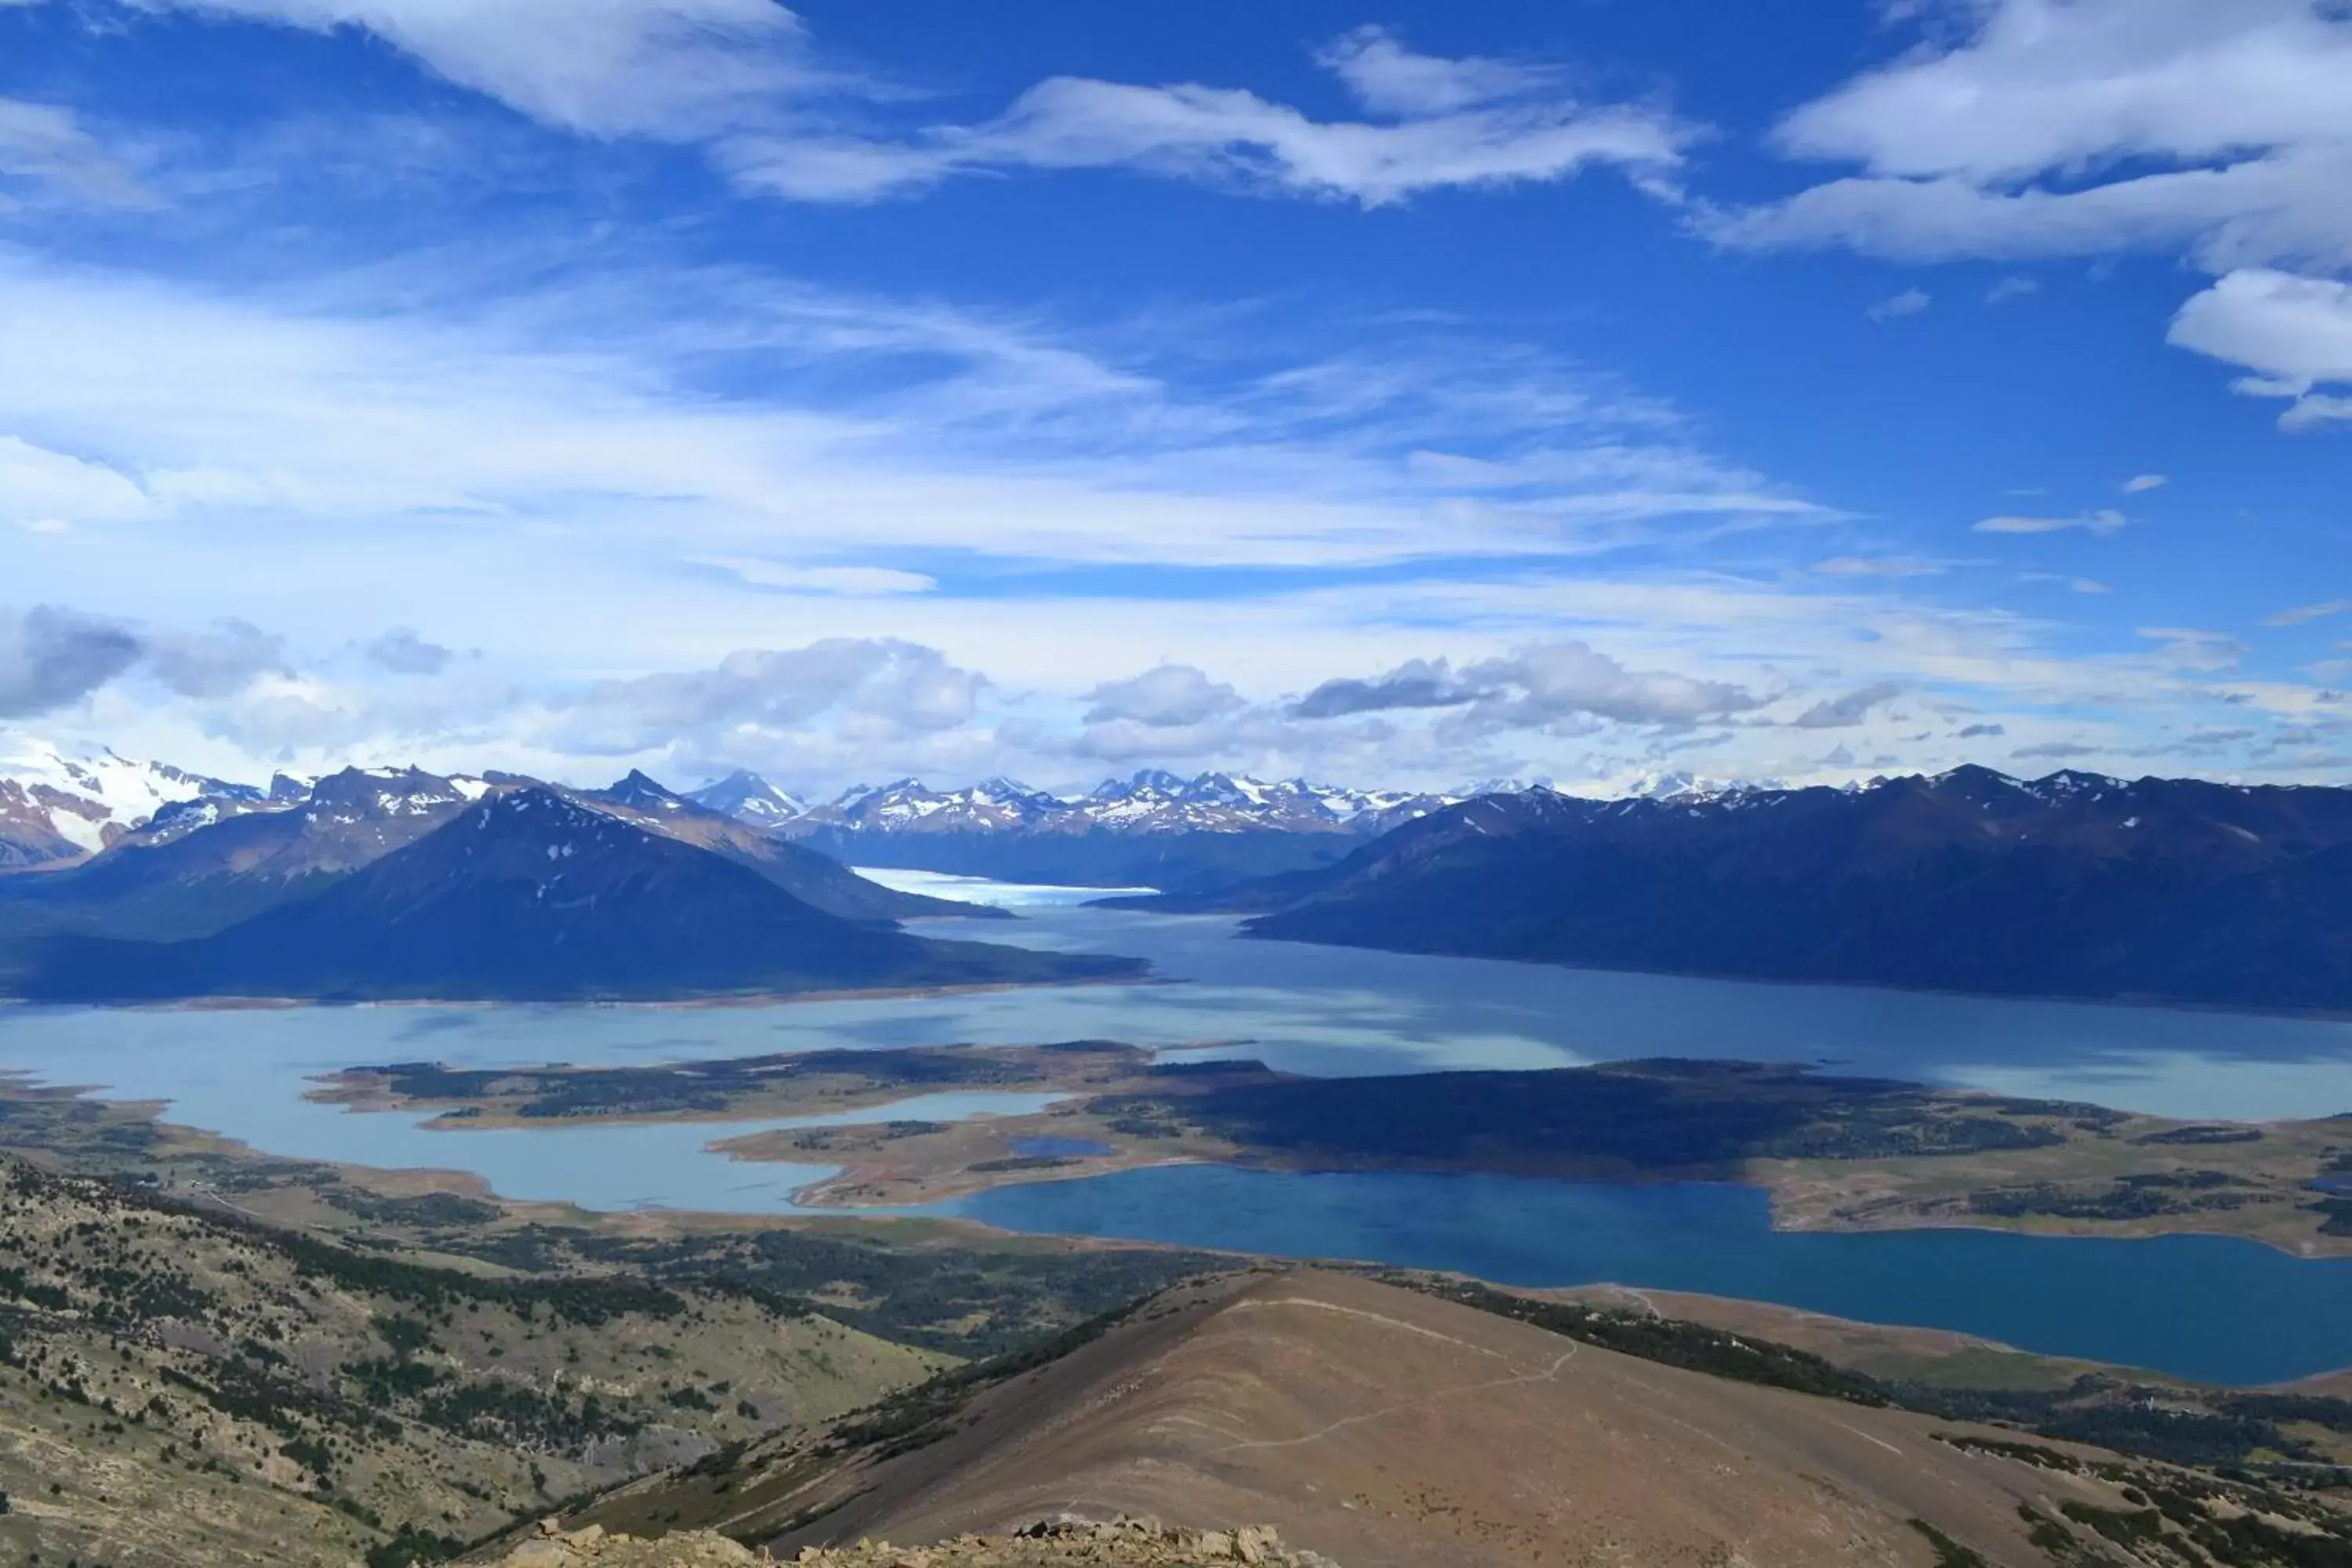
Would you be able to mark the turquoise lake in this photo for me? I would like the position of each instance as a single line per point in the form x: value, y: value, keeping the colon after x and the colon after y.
x: 2189, y: 1306
x: 2207, y: 1308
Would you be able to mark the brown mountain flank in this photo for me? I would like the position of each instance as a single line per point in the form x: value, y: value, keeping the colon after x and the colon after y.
x: 1378, y: 1425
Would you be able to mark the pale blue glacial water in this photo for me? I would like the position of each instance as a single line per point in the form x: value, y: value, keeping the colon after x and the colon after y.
x: 1322, y: 1011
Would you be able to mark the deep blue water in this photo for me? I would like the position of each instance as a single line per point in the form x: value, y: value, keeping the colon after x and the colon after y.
x: 2208, y: 1308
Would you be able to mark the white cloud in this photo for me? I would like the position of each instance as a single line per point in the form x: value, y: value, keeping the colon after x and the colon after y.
x: 1535, y: 687
x: 2139, y: 484
x: 2012, y: 288
x: 2091, y: 127
x: 999, y: 440
x: 1161, y: 698
x: 46, y: 145
x: 2103, y: 521
x: 2294, y: 333
x: 668, y: 67
x: 403, y: 652
x: 1388, y: 79
x: 2051, y: 84
x: 2244, y: 101
x: 879, y: 686
x: 1443, y: 122
x: 1909, y: 302
x: 40, y: 487
x: 217, y: 662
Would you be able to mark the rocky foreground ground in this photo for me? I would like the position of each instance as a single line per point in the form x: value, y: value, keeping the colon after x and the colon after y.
x: 1053, y: 1544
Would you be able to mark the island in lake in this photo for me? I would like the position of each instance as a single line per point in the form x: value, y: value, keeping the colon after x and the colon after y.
x: 1836, y: 1154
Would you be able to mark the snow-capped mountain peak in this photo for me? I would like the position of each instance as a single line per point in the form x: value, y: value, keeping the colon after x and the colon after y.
x: 745, y: 795
x: 59, y: 806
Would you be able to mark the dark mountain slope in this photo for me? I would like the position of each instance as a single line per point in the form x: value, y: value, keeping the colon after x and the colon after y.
x: 531, y: 896
x: 2071, y: 885
x: 197, y: 868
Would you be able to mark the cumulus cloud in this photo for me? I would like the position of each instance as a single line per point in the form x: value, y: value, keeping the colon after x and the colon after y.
x: 50, y: 657
x: 1843, y: 712
x: 1435, y: 122
x: 216, y: 662
x: 1909, y: 302
x: 1538, y: 687
x: 877, y: 685
x: 2091, y: 127
x: 2293, y: 333
x: 2244, y: 102
x: 403, y: 652
x: 1166, y: 697
x: 1417, y: 683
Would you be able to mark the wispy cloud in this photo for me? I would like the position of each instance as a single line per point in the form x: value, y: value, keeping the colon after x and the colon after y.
x: 2302, y: 613
x: 46, y: 145
x: 675, y: 68
x: 2104, y: 520
x: 1432, y: 122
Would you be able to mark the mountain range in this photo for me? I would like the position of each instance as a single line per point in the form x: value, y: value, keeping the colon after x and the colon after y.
x: 2071, y: 885
x: 529, y: 894
x: 1151, y: 829
x: 395, y: 882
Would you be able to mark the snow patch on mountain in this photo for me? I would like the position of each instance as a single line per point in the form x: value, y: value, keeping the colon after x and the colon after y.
x: 59, y: 805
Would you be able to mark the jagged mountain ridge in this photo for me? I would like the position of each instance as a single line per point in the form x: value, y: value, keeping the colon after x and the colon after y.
x: 530, y: 895
x: 58, y: 806
x: 2073, y: 884
x: 202, y: 864
x: 1149, y: 801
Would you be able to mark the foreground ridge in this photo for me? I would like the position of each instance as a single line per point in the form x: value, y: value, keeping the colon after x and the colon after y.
x: 1138, y: 1542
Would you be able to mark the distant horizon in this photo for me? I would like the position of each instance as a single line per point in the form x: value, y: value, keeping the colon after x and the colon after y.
x: 12, y: 766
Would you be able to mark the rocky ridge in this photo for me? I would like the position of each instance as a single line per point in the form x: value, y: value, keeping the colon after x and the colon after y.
x: 1049, y: 1543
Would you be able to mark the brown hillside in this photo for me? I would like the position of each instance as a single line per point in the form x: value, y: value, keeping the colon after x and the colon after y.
x: 1382, y: 1427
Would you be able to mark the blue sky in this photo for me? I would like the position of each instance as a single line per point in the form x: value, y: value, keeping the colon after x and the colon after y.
x: 1404, y: 395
